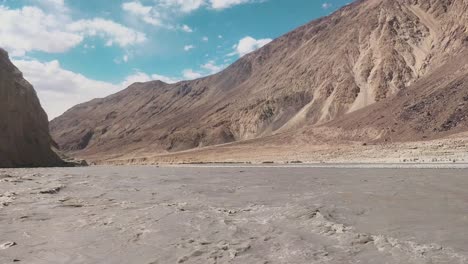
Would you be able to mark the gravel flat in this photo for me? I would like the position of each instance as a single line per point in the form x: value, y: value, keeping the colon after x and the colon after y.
x: 233, y: 214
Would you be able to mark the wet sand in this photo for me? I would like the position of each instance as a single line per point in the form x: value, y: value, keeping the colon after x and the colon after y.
x: 234, y: 214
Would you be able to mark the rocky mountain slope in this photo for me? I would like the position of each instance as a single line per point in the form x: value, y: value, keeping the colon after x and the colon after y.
x: 344, y: 71
x: 24, y: 131
x: 435, y: 106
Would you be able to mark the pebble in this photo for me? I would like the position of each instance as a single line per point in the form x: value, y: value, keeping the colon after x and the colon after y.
x: 7, y: 245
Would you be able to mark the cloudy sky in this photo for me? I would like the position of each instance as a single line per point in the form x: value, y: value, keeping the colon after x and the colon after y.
x: 75, y: 50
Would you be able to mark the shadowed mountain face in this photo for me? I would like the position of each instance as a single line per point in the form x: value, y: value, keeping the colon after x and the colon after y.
x: 365, y: 55
x: 24, y: 131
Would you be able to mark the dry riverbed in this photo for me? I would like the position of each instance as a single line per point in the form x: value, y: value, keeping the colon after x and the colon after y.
x: 233, y: 215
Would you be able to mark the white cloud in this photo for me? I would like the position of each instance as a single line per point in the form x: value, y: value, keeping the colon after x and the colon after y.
x: 56, y: 3
x: 188, y: 47
x: 187, y: 29
x: 166, y: 7
x: 134, y: 78
x: 326, y: 5
x: 189, y: 74
x: 163, y: 13
x: 113, y: 32
x: 143, y: 77
x: 212, y: 67
x: 220, y: 36
x: 36, y: 32
x: 249, y: 44
x: 136, y: 8
x: 205, y: 39
x: 222, y: 4
x: 165, y: 79
x: 86, y: 46
x: 185, y: 6
x: 60, y: 89
x: 51, y: 33
x: 53, y: 5
x: 146, y: 13
x: 208, y: 68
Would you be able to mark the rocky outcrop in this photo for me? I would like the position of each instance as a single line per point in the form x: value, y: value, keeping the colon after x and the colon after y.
x: 365, y: 53
x: 433, y: 107
x: 24, y: 131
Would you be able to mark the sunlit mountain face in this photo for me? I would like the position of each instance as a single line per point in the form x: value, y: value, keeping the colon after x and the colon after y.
x: 74, y: 51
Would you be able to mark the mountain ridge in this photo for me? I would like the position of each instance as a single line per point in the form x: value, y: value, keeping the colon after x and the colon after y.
x: 362, y: 54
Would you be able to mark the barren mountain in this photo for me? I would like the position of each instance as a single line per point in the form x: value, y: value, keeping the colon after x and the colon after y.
x: 373, y: 70
x: 24, y: 131
x: 434, y: 106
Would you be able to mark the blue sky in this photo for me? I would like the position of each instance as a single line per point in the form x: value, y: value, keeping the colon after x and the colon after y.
x: 75, y: 50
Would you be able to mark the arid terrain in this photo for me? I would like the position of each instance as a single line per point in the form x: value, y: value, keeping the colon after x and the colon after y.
x: 308, y: 149
x: 233, y: 214
x: 343, y: 141
x: 375, y: 71
x: 24, y: 131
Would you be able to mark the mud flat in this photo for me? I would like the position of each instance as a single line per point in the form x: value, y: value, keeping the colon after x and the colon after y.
x: 234, y: 214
